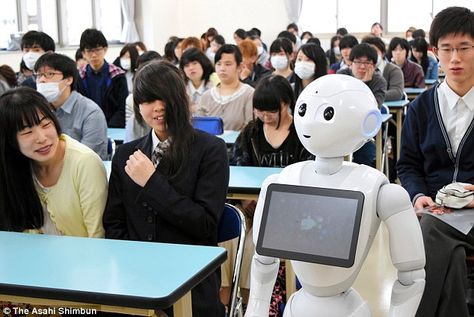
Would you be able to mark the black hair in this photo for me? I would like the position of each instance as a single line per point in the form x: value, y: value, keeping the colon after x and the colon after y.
x: 219, y: 39
x: 377, y: 23
x: 306, y: 33
x: 61, y: 63
x: 376, y: 41
x: 314, y: 40
x: 196, y: 55
x: 9, y: 75
x: 92, y: 38
x: 330, y: 53
x: 20, y: 206
x: 363, y: 50
x: 293, y: 26
x: 228, y: 49
x: 78, y: 55
x: 39, y: 38
x: 146, y: 57
x: 241, y: 33
x: 281, y: 43
x: 418, y: 33
x: 342, y: 32
x: 270, y: 92
x: 419, y: 44
x: 288, y: 35
x: 257, y: 31
x: 161, y: 80
x: 316, y: 54
x: 170, y: 56
x: 452, y: 20
x: 348, y: 41
x: 131, y: 48
x: 396, y: 41
x: 252, y: 33
x: 141, y: 45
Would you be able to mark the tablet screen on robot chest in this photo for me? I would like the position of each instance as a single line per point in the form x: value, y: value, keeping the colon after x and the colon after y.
x: 310, y: 224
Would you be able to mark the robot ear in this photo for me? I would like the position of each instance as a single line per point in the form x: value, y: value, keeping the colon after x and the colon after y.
x: 371, y: 123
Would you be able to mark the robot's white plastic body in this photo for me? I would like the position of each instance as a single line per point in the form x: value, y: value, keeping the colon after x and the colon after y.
x: 335, y: 115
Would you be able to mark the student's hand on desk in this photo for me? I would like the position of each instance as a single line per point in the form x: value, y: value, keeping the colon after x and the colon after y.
x: 422, y: 202
x: 139, y: 167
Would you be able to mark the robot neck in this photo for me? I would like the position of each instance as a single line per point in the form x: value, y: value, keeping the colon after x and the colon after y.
x: 328, y: 165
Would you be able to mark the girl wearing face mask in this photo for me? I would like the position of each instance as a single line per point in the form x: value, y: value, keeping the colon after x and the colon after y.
x: 280, y: 58
x: 50, y: 183
x: 311, y: 63
x: 127, y: 60
x: 334, y: 53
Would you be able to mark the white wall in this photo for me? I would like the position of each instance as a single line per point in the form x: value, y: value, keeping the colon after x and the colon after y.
x: 158, y: 20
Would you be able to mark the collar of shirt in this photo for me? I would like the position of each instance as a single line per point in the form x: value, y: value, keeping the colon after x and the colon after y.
x: 193, y: 90
x: 154, y: 141
x: 68, y: 105
x: 452, y: 98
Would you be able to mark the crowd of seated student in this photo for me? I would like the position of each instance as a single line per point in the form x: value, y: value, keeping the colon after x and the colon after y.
x: 399, y: 53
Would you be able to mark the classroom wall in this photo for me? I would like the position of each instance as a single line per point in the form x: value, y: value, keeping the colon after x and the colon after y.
x: 158, y: 20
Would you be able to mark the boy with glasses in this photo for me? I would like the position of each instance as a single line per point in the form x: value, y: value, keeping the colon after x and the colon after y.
x: 437, y: 149
x: 363, y: 58
x: 79, y: 117
x: 102, y: 82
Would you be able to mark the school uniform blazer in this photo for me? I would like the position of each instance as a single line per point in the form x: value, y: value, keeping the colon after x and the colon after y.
x: 185, y: 211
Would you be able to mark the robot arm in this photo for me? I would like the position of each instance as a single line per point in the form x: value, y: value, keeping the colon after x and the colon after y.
x: 406, y: 249
x: 264, y: 269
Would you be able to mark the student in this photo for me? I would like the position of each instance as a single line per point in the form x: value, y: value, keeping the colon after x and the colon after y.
x: 127, y: 61
x: 436, y: 149
x: 80, y: 60
x: 251, y: 71
x: 169, y: 186
x: 80, y: 118
x: 268, y: 141
x: 280, y: 58
x: 198, y: 70
x: 363, y: 66
x: 376, y: 29
x: 392, y: 74
x: 34, y: 44
x: 311, y: 63
x: 102, y: 82
x: 49, y: 182
x: 7, y: 74
x: 419, y: 55
x: 141, y: 47
x: 231, y: 99
x: 239, y: 36
x: 398, y: 52
x: 334, y: 53
x: 293, y: 28
x: 345, y: 46
x: 305, y: 36
x: 216, y: 44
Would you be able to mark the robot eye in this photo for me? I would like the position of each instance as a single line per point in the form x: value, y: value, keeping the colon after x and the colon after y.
x: 302, y: 110
x: 328, y: 113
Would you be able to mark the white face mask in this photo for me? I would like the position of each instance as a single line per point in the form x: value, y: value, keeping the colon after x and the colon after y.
x: 259, y: 50
x: 30, y: 59
x: 336, y: 50
x: 304, y: 70
x: 50, y: 90
x: 126, y: 63
x: 279, y: 62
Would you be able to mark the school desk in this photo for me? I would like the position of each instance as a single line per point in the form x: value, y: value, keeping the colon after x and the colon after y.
x: 398, y: 108
x: 380, y: 150
x: 412, y: 93
x: 110, y: 275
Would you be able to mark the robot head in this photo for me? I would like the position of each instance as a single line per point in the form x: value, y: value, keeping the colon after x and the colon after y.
x: 335, y: 115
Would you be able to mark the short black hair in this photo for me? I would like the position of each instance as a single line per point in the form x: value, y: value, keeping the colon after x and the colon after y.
x: 314, y: 40
x: 348, y: 41
x: 196, y: 55
x: 219, y: 39
x: 452, y: 20
x: 257, y: 31
x: 377, y: 23
x: 146, y: 57
x: 396, y: 41
x: 92, y: 38
x: 288, y: 35
x: 376, y: 41
x: 41, y: 39
x: 363, y: 50
x: 342, y: 31
x: 292, y: 26
x: 228, y: 49
x: 281, y: 43
x: 78, y: 55
x: 306, y: 33
x: 241, y: 33
x: 61, y: 63
x: 418, y: 33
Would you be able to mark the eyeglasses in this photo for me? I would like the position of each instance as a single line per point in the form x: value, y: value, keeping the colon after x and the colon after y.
x: 366, y: 63
x: 93, y: 50
x: 448, y: 51
x: 47, y: 75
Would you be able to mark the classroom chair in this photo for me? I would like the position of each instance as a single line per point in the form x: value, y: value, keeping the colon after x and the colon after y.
x: 211, y: 125
x: 231, y: 226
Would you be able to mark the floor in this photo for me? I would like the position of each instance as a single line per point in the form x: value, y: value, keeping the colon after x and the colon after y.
x: 377, y: 275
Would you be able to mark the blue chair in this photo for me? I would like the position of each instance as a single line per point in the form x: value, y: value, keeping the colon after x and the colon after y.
x: 211, y: 125
x: 231, y: 226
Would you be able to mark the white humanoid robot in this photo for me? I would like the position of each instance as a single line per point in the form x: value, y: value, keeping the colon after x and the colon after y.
x: 334, y: 116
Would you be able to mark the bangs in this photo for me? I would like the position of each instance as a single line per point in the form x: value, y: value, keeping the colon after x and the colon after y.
x: 265, y: 99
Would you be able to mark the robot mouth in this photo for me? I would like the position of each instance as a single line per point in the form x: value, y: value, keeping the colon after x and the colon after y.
x: 307, y: 136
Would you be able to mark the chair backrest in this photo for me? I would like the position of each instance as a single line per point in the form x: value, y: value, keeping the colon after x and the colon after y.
x: 211, y: 125
x: 231, y: 226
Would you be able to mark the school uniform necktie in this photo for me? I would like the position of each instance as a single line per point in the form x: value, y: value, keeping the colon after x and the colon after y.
x: 159, y: 151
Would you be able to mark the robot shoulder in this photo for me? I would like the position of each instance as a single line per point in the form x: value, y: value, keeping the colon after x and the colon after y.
x: 292, y: 173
